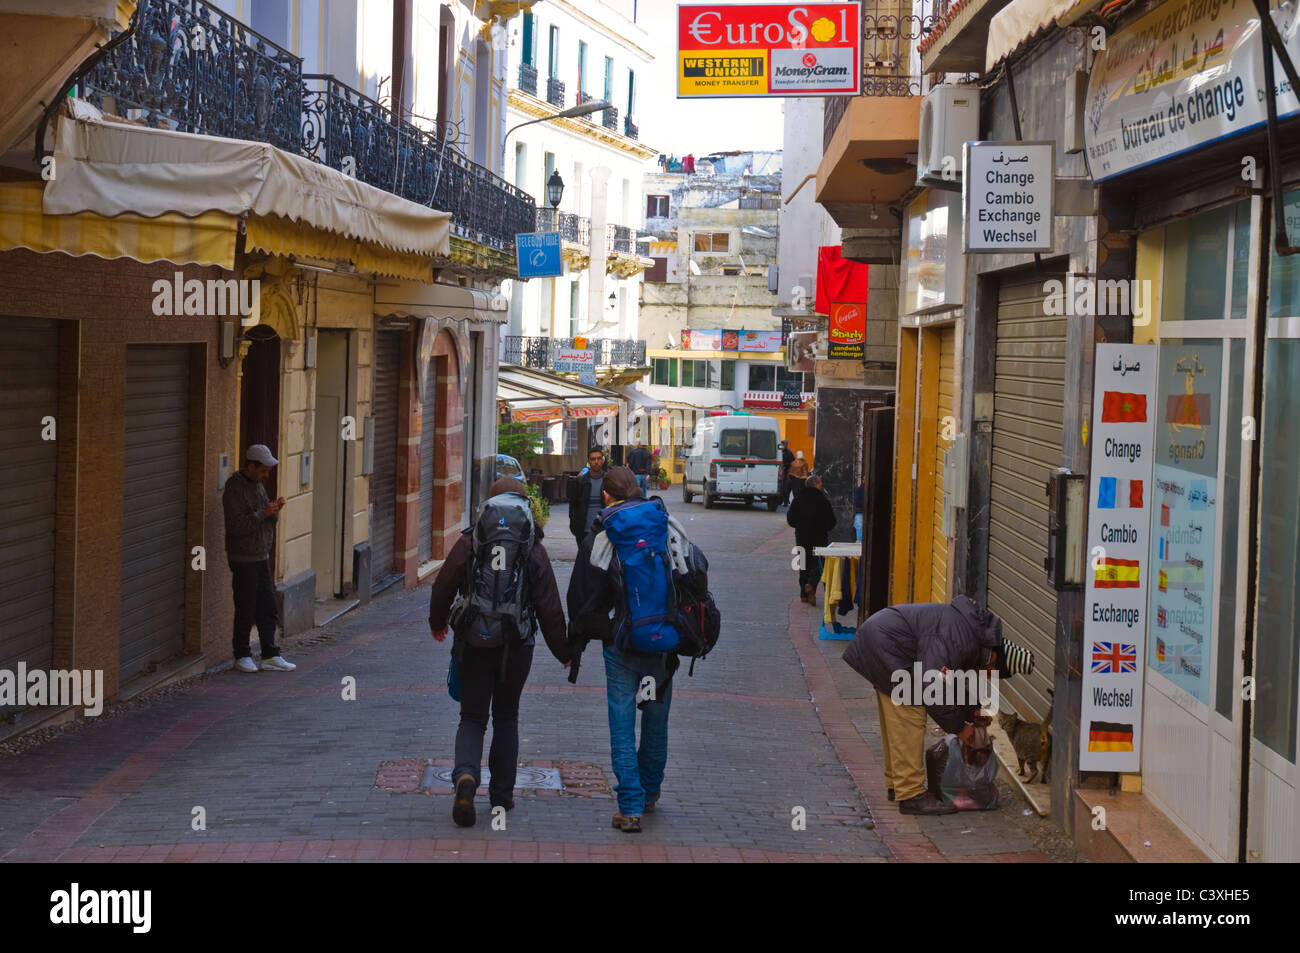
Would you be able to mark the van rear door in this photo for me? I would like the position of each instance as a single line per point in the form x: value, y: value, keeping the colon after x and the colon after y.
x: 765, y: 462
x: 731, y: 460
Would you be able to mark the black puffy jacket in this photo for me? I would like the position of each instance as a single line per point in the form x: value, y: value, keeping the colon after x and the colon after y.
x: 956, y: 636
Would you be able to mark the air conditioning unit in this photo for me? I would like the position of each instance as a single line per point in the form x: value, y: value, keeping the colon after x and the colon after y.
x: 950, y: 117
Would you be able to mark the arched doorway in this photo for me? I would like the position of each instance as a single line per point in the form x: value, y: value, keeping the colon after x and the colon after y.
x: 442, y: 450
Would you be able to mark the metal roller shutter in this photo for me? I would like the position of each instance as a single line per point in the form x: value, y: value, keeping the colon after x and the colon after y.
x: 29, y: 379
x: 1029, y: 389
x: 428, y: 437
x: 154, y: 505
x: 947, y: 387
x: 383, y: 481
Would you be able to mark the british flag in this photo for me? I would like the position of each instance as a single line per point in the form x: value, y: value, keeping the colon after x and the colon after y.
x: 1114, y: 657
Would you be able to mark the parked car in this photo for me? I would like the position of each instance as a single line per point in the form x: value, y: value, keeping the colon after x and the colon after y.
x: 508, y: 466
x: 735, y: 457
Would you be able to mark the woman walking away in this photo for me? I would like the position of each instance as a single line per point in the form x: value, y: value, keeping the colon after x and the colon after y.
x: 494, y: 629
x: 798, y: 474
x: 813, y: 518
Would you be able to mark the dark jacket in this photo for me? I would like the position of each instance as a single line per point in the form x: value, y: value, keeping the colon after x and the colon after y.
x: 579, y: 493
x: 543, y: 591
x: 638, y: 460
x: 249, y: 533
x: 956, y: 636
x: 812, y: 517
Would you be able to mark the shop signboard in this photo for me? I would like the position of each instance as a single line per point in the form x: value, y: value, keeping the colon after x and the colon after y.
x: 1119, y: 557
x: 767, y: 342
x: 768, y: 49
x: 1188, y: 73
x: 846, y: 338
x: 571, y: 360
x: 1008, y: 195
x: 538, y: 255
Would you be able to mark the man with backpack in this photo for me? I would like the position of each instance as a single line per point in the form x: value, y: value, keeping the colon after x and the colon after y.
x: 639, y: 564
x: 502, y: 576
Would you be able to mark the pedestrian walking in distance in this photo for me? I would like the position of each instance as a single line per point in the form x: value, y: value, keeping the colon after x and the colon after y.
x: 250, y: 529
x: 798, y: 474
x: 787, y: 458
x: 813, y: 518
x: 625, y: 567
x: 585, y: 500
x: 638, y: 461
x: 959, y: 636
x: 500, y: 576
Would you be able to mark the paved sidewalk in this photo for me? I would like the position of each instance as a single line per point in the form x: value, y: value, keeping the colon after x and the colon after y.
x: 283, y: 768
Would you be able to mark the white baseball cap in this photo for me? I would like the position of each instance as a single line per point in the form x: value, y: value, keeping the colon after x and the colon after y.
x: 261, y: 453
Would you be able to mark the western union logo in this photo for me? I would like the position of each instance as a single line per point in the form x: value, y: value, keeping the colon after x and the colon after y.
x: 722, y: 67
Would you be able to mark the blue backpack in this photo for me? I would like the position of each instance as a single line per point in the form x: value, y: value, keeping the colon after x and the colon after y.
x: 639, y: 534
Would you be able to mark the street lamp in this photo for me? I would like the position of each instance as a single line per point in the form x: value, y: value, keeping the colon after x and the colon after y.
x: 586, y: 109
x: 554, y: 188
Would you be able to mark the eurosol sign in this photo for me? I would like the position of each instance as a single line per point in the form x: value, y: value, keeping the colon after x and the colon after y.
x: 769, y: 49
x: 1007, y: 193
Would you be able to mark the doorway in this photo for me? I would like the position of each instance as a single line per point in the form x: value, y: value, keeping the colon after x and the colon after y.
x: 329, y: 463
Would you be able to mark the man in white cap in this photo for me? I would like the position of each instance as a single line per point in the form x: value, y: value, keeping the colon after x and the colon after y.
x: 250, y: 528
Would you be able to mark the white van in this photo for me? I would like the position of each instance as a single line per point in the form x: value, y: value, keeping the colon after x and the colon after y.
x: 735, y: 457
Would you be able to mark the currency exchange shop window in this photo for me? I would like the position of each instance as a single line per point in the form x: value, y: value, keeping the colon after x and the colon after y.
x: 1185, y: 502
x: 1284, y: 273
x: 1197, y: 267
x: 1225, y: 688
x: 1240, y: 259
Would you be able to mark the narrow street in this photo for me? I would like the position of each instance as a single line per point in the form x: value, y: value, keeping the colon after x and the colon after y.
x: 284, y: 768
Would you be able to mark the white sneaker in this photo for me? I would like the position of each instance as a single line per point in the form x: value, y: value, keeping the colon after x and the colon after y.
x: 277, y: 664
x: 246, y: 664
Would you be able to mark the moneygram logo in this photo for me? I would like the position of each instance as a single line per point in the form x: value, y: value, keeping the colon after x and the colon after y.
x: 805, y: 69
x: 810, y: 60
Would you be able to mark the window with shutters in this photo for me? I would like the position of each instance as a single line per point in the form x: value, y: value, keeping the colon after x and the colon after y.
x: 656, y: 206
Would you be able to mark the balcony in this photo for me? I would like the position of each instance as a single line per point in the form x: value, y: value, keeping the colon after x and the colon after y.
x: 573, y: 229
x: 609, y: 118
x: 243, y: 86
x: 539, y: 352
x: 630, y: 128
x: 528, y: 78
x: 958, y: 41
x: 555, y: 92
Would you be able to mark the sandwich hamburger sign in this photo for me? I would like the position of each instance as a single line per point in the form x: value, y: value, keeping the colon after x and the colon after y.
x: 769, y: 49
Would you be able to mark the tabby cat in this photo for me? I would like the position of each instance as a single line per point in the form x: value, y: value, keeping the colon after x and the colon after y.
x: 1028, y: 739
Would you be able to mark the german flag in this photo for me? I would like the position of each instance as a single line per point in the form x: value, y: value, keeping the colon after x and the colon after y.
x: 1118, y: 574
x: 1109, y: 736
x: 1118, y: 407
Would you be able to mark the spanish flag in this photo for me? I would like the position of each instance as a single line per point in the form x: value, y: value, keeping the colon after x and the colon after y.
x: 1109, y: 736
x: 1117, y: 574
x: 1118, y: 407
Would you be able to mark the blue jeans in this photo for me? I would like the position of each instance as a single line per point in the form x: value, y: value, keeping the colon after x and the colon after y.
x: 640, y: 482
x: 640, y: 771
x: 857, y: 525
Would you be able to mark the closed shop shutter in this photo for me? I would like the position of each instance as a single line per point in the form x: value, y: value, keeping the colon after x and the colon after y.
x: 29, y: 354
x: 428, y: 437
x: 383, y: 481
x: 1029, y: 389
x: 946, y: 404
x: 154, y: 505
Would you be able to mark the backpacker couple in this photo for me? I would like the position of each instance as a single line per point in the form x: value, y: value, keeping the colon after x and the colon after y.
x: 639, y: 586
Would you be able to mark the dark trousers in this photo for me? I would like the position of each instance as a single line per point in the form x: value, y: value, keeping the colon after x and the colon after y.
x: 484, y: 685
x: 811, y: 574
x: 254, y: 602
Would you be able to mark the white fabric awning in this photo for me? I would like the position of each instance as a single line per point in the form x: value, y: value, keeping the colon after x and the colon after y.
x: 413, y: 299
x: 1021, y: 19
x: 536, y: 395
x: 111, y: 168
x: 640, y: 398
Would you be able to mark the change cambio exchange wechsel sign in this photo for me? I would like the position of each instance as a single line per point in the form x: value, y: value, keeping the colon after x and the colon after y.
x: 769, y: 49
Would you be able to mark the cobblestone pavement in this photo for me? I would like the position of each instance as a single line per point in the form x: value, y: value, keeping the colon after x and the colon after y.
x: 284, y: 768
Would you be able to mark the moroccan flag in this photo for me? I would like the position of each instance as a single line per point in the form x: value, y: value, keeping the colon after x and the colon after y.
x: 1117, y: 574
x: 1188, y: 410
x: 1118, y: 407
x: 1109, y: 736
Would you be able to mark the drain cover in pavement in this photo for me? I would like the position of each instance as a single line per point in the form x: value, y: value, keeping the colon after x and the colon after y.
x: 547, y: 779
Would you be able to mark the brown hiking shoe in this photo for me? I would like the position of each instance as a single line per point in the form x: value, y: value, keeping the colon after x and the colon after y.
x: 925, y: 804
x: 462, y: 805
x: 628, y: 825
x: 650, y: 803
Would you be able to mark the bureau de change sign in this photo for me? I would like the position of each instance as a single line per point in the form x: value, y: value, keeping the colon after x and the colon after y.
x: 1008, y: 196
x: 769, y: 49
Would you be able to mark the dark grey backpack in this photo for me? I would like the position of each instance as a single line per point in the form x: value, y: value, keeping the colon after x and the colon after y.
x: 495, y: 608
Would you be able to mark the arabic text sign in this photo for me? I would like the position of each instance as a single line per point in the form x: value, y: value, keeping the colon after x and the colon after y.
x: 1188, y: 73
x: 1008, y: 196
x: 769, y: 49
x: 538, y: 255
x: 769, y: 342
x: 1119, y: 564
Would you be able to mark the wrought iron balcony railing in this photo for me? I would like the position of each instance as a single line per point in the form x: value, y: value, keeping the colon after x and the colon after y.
x: 622, y: 239
x: 238, y: 84
x: 528, y: 78
x: 235, y: 83
x: 609, y: 118
x: 630, y: 128
x: 555, y: 92
x: 539, y: 352
x: 576, y: 230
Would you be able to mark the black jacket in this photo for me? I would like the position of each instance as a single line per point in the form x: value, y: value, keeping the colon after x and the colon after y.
x: 812, y: 517
x: 638, y: 460
x: 579, y: 493
x: 249, y: 533
x: 956, y: 636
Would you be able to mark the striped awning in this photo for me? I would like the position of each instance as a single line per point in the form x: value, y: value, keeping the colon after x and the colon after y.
x: 207, y: 239
x: 281, y: 236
